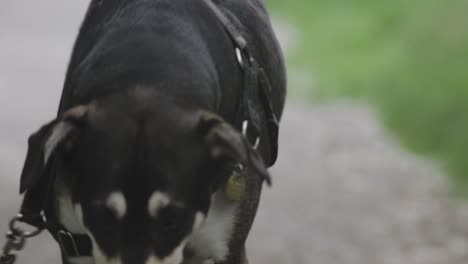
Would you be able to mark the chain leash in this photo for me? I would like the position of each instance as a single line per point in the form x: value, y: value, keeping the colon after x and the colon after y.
x: 15, y: 240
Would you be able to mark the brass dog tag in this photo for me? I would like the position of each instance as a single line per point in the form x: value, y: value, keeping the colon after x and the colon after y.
x: 236, y: 185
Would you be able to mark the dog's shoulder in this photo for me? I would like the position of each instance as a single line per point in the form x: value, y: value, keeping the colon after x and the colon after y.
x: 124, y: 43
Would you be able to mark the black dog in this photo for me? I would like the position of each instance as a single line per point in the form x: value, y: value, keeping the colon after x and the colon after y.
x: 147, y: 159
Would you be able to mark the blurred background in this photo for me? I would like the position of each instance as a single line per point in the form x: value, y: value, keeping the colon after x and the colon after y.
x: 373, y: 141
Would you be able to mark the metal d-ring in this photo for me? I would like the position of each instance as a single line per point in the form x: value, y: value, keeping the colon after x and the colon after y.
x: 245, y: 127
x: 240, y: 60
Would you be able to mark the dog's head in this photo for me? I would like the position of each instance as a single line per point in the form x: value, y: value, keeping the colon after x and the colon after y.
x: 140, y: 172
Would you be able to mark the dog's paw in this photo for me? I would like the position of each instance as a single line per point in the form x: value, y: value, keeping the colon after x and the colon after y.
x: 208, y: 261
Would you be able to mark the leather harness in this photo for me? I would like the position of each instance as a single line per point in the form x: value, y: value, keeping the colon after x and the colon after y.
x: 37, y: 208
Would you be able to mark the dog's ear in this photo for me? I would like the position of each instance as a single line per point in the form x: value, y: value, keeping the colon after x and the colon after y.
x: 43, y: 144
x: 226, y: 143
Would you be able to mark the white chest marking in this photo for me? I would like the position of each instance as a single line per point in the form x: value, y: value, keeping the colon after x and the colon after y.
x: 211, y: 240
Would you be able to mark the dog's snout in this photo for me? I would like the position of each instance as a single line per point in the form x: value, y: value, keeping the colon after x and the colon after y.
x: 140, y: 257
x: 134, y: 257
x: 167, y: 260
x: 149, y: 260
x: 175, y: 257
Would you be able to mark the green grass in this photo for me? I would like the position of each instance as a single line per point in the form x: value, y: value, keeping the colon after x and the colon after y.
x: 408, y: 58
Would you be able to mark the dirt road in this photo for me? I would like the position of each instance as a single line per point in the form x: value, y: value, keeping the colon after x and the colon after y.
x: 344, y: 192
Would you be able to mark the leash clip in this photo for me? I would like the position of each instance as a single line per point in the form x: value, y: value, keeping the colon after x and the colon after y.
x: 240, y: 60
x: 16, y: 240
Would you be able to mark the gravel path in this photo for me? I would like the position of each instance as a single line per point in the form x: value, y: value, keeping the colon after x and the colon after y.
x: 344, y: 192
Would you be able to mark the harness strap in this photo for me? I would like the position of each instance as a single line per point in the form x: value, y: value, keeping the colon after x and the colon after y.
x: 257, y: 88
x: 272, y: 120
x: 239, y: 40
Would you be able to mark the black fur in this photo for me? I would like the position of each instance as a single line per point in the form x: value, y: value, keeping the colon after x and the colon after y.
x: 148, y: 72
x: 179, y: 46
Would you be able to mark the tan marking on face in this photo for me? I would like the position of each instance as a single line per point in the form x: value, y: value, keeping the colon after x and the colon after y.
x: 157, y: 201
x: 117, y: 204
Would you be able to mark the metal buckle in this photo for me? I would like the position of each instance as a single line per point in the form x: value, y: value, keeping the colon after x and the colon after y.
x: 245, y: 128
x: 64, y: 237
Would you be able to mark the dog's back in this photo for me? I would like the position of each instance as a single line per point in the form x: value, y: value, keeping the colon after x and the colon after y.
x: 178, y: 46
